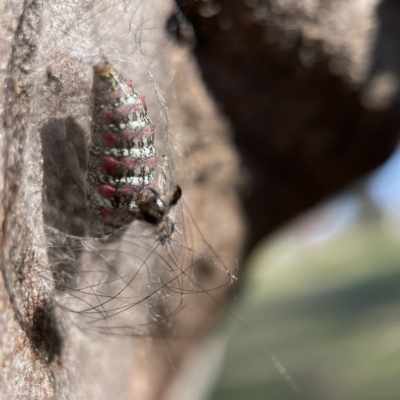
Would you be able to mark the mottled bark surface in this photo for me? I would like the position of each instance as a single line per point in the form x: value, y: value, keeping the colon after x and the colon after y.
x: 311, y: 89
x: 50, y: 263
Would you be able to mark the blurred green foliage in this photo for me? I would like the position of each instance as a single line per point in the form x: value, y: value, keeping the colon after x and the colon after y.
x: 327, y: 307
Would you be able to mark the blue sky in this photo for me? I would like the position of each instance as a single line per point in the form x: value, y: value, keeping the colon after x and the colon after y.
x: 384, y: 185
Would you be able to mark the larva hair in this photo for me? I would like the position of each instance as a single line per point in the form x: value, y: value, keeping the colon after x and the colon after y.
x: 122, y: 157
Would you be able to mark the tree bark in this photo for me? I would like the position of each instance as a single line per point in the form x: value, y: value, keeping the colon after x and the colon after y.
x: 311, y: 89
x: 51, y: 259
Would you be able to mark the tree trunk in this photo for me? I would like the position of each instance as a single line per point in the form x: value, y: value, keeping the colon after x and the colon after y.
x: 311, y: 89
x: 73, y: 302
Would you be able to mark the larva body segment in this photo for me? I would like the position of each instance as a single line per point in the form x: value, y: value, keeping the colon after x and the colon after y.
x: 122, y: 157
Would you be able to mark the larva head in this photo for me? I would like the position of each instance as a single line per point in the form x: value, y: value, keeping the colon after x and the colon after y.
x: 156, y: 210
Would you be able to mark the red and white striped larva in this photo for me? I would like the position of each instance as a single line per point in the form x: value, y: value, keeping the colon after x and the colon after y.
x: 122, y: 158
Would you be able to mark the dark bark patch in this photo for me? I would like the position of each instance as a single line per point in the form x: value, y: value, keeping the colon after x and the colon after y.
x: 44, y: 334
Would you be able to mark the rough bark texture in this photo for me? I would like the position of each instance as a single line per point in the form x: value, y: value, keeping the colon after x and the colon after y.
x: 310, y: 89
x: 46, y: 351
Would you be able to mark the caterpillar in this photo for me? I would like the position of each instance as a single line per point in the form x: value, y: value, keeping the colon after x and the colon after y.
x: 122, y: 158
